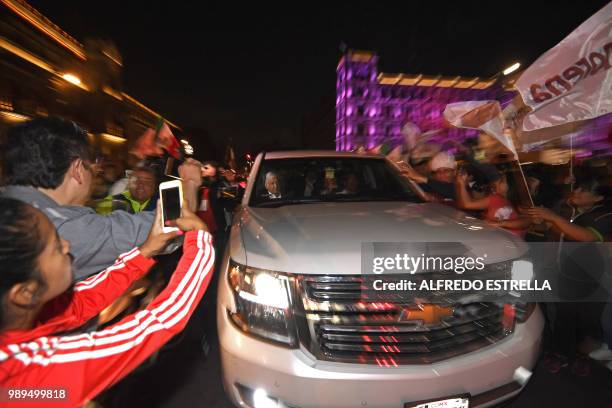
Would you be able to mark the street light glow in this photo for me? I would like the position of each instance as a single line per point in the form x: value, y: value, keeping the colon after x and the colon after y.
x: 113, y: 138
x: 184, y: 141
x: 512, y: 68
x: 14, y: 117
x: 73, y: 79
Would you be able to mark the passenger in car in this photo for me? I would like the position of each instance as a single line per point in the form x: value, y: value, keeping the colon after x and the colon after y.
x: 272, y: 185
x: 351, y: 184
x: 310, y: 183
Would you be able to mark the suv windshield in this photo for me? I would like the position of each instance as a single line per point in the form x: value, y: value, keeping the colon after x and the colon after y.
x: 320, y: 179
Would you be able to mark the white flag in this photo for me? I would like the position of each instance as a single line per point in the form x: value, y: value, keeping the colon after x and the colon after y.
x: 573, y: 80
x: 484, y: 115
x: 411, y: 134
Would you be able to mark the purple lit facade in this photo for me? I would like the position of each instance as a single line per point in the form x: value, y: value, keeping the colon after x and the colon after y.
x: 372, y: 108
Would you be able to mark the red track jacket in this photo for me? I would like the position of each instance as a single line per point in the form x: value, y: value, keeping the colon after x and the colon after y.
x: 85, y: 364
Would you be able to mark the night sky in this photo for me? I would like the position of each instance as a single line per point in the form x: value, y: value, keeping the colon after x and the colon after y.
x: 253, y: 72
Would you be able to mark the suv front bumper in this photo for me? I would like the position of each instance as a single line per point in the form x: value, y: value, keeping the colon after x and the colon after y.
x: 296, y: 379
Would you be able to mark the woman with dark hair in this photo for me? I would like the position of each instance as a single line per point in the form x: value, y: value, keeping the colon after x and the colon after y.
x: 39, y: 303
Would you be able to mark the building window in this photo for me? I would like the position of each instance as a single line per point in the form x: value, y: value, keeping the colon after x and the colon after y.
x: 360, y: 129
x: 387, y: 111
x: 362, y: 73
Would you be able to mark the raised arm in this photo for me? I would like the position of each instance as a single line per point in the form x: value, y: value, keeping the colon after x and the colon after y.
x: 89, y: 297
x: 86, y: 364
x: 464, y: 200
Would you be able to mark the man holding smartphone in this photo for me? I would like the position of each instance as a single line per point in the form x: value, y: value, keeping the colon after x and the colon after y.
x: 48, y: 165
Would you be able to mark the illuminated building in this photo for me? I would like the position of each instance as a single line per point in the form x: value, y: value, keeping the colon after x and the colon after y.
x: 45, y: 72
x: 372, y: 107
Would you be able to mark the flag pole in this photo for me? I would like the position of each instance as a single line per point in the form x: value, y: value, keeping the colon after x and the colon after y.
x: 512, y: 130
x: 525, y: 182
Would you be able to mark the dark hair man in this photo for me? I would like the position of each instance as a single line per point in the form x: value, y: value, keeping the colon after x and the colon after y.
x: 48, y: 165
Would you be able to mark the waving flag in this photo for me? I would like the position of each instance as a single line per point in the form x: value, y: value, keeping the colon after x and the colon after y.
x: 484, y: 115
x: 145, y: 146
x: 166, y: 140
x: 573, y: 80
x: 152, y: 143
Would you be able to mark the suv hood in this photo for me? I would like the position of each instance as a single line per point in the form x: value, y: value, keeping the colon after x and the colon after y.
x: 326, y: 238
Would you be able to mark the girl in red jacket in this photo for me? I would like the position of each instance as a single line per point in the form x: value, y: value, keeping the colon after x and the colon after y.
x: 40, y: 365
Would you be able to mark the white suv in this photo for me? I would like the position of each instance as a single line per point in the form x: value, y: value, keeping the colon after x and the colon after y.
x: 293, y: 331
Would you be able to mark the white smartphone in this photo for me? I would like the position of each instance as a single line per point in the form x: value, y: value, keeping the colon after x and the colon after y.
x: 171, y: 196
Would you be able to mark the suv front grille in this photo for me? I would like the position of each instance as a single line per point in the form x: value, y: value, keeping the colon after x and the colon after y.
x: 338, y: 326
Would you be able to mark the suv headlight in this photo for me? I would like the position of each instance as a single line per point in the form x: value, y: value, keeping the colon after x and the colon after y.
x: 263, y: 303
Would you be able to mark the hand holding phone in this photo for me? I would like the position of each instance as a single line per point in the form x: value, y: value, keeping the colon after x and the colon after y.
x: 190, y: 222
x: 171, y: 198
x: 158, y: 240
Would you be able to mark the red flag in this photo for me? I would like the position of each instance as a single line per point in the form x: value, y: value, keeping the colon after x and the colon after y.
x: 145, y: 145
x: 152, y: 143
x: 166, y: 140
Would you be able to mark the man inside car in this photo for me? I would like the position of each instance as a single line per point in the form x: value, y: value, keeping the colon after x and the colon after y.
x: 272, y: 185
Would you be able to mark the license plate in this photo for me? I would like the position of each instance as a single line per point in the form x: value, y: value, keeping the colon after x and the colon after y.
x: 445, y: 403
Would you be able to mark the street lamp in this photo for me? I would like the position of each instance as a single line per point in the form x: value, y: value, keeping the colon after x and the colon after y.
x: 512, y: 68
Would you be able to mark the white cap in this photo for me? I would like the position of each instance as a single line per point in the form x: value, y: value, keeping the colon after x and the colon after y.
x: 442, y: 160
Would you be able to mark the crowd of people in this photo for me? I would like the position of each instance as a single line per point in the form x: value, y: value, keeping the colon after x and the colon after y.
x: 562, y: 204
x: 75, y: 237
x: 77, y: 231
